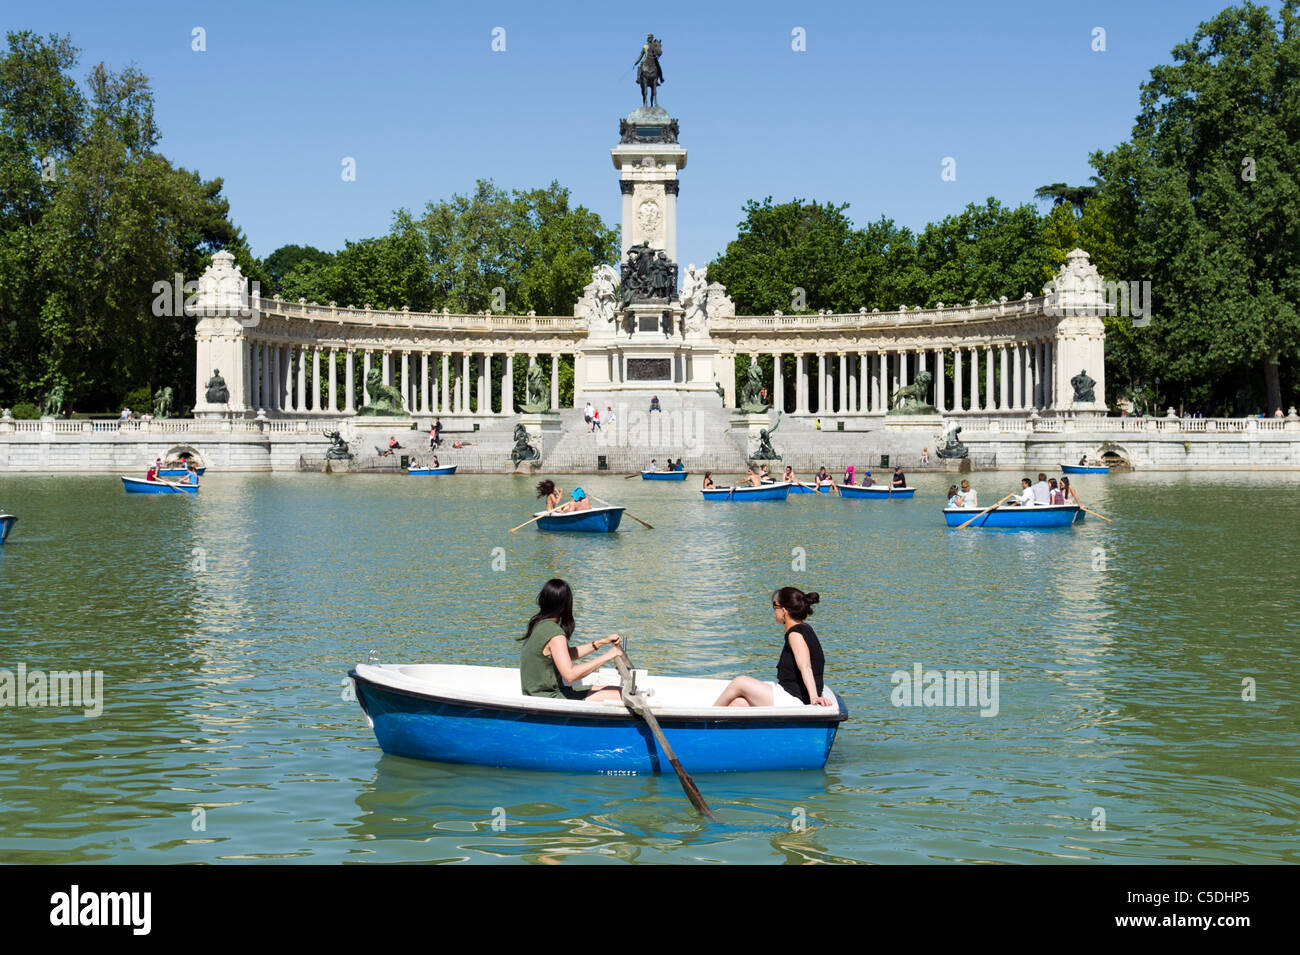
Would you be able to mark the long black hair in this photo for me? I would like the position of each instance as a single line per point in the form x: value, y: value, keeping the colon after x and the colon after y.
x: 556, y: 601
x: 795, y: 602
x: 545, y: 489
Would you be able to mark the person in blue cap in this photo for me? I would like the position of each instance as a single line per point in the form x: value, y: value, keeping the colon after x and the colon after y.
x: 867, y: 479
x: 580, y: 500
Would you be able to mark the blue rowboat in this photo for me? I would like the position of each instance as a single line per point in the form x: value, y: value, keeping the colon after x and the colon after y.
x: 664, y: 475
x: 478, y: 715
x: 141, y: 486
x: 7, y: 522
x: 598, y: 520
x: 1015, y: 515
x: 1081, y: 469
x: 876, y: 492
x: 824, y: 488
x: 178, y: 472
x: 432, y: 472
x: 764, y: 492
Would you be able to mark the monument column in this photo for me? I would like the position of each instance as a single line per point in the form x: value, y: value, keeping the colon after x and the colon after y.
x: 844, y: 384
x: 349, y: 382
x: 940, y: 382
x: 446, y: 382
x: 1002, y: 358
x: 956, y: 380
x: 555, y: 382
x: 778, y: 385
x: 508, y: 385
x: 974, y: 379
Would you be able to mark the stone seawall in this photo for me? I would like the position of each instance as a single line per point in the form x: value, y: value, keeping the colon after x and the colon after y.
x: 1041, y: 444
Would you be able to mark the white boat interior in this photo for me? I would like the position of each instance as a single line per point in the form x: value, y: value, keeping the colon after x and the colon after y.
x: 667, y: 695
x: 585, y: 510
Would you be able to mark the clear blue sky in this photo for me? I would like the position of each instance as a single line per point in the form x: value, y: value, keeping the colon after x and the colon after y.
x: 414, y: 92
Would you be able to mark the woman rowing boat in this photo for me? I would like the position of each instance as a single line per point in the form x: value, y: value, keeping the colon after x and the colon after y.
x: 548, y: 663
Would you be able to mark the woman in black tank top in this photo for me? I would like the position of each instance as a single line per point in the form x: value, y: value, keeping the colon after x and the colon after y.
x: 799, y: 669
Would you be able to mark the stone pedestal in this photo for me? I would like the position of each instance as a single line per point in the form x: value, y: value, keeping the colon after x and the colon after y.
x: 648, y: 158
x: 926, y: 424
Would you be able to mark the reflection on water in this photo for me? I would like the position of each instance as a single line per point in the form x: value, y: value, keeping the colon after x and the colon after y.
x: 224, y: 625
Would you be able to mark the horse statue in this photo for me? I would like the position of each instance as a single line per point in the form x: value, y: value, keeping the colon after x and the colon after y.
x: 52, y: 406
x: 538, y: 400
x: 912, y: 399
x: 384, y: 399
x: 523, y: 451
x: 162, y: 403
x: 649, y: 74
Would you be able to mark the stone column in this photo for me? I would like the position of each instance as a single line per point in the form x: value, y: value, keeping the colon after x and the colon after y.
x: 1002, y: 360
x: 902, y: 370
x: 332, y: 364
x: 778, y: 385
x: 974, y: 380
x: 315, y: 380
x: 939, y: 383
x: 877, y: 375
x: 445, y: 381
x: 844, y: 383
x: 486, y: 403
x: 365, y: 376
x: 864, y: 382
x: 406, y: 381
x: 275, y: 404
x: 956, y: 380
x: 1038, y: 375
x: 422, y: 393
x: 798, y: 382
x: 1049, y: 365
x: 462, y: 385
x: 555, y: 382
x: 508, y: 385
x: 350, y: 385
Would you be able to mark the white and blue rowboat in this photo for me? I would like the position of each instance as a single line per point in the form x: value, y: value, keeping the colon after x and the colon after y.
x: 1016, y: 515
x: 178, y: 472
x: 881, y: 492
x: 141, y: 486
x: 764, y: 492
x: 432, y: 472
x: 1084, y: 469
x: 479, y: 715
x: 7, y: 522
x: 597, y: 520
x: 823, y: 488
x: 664, y: 475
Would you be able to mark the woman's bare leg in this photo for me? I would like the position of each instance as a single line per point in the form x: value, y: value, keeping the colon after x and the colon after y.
x: 745, y: 691
x: 599, y: 693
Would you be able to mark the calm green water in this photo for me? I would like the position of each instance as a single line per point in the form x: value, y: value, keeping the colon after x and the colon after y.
x: 1121, y: 650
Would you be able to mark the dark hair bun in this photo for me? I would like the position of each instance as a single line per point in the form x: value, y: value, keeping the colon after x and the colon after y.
x: 812, y: 597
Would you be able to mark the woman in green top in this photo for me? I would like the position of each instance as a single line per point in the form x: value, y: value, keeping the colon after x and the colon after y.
x: 547, y: 662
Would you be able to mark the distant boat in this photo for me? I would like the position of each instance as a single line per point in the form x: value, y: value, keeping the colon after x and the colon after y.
x: 141, y: 486
x: 823, y: 488
x: 178, y: 472
x: 597, y: 520
x: 883, y: 492
x: 7, y: 522
x: 764, y: 492
x: 479, y: 715
x: 432, y: 472
x: 664, y: 475
x: 1016, y: 515
x: 1084, y: 469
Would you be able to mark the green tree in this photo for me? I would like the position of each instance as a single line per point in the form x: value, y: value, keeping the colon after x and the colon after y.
x: 1207, y: 194
x: 984, y: 252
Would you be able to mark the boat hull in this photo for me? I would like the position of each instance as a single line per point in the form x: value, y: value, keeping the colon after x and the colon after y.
x: 598, y: 520
x: 809, y: 489
x: 141, y: 486
x: 432, y: 472
x: 1080, y: 469
x: 664, y: 475
x: 1032, y: 516
x: 178, y: 472
x: 764, y: 492
x: 7, y: 522
x: 876, y: 492
x: 420, y: 726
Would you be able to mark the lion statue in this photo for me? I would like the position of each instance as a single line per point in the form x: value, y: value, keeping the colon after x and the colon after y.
x: 384, y: 399
x: 912, y: 399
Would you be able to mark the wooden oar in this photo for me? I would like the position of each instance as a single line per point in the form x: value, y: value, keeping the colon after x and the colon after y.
x: 637, y: 705
x: 627, y: 512
x: 1095, y: 514
x: 986, y: 510
x: 631, y: 476
x: 526, y: 523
